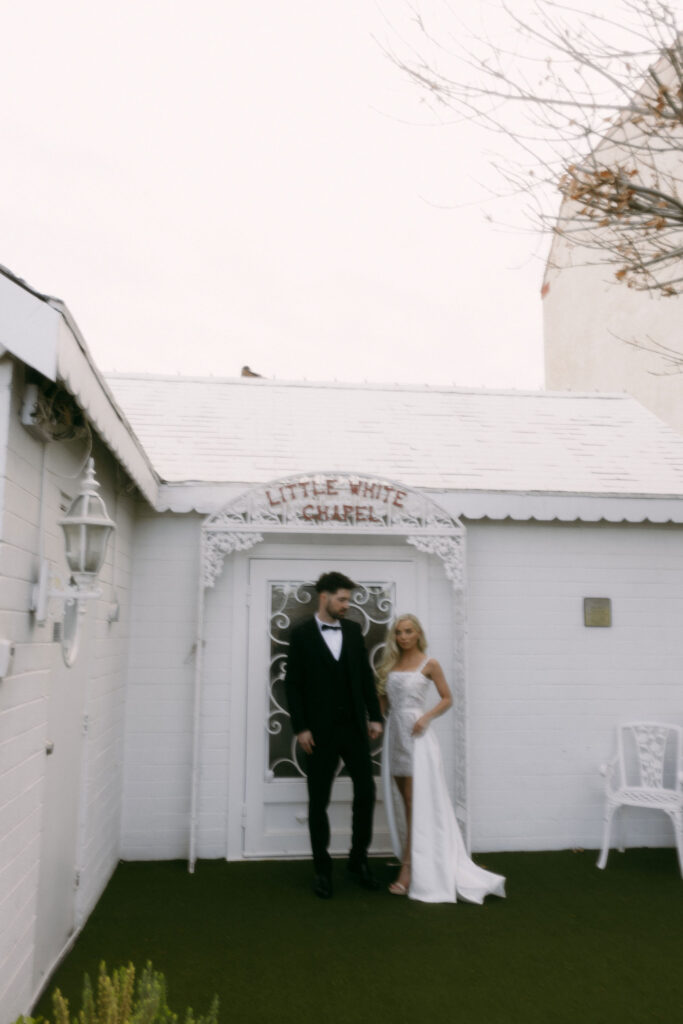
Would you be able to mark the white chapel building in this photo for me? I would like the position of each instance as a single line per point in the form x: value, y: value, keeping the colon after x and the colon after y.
x: 538, y: 535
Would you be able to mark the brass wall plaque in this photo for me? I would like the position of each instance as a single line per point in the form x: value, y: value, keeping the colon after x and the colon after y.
x: 597, y: 611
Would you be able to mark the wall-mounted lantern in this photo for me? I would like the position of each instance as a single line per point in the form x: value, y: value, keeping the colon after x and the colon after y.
x: 87, y: 528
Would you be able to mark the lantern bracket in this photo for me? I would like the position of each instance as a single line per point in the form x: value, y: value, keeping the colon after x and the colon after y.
x: 74, y: 595
x: 50, y: 585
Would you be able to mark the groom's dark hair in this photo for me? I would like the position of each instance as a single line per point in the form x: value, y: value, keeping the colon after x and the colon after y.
x: 331, y: 582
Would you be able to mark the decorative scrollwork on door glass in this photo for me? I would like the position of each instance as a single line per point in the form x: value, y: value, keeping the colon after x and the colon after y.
x: 372, y: 606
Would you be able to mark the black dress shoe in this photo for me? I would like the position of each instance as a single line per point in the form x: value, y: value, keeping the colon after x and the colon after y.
x: 322, y: 886
x: 362, y: 874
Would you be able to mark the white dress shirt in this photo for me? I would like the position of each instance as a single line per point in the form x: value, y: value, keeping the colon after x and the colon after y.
x: 332, y: 637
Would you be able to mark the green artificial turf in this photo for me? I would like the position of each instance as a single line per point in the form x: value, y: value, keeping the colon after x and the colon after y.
x: 570, y: 943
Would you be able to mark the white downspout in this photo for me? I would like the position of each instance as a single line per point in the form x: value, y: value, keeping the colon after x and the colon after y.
x: 464, y: 633
x: 198, y: 669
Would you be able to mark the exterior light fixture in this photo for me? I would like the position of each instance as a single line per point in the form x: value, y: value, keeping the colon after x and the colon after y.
x: 87, y: 528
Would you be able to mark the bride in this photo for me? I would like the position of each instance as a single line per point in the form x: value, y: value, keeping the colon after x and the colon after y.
x: 435, y: 867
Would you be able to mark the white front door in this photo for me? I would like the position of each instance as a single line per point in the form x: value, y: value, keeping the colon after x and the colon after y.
x: 282, y: 595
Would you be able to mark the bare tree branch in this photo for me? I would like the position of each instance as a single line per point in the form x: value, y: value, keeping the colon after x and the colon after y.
x: 594, y: 107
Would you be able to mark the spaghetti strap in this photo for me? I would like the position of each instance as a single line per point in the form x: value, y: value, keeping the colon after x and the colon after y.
x: 424, y: 665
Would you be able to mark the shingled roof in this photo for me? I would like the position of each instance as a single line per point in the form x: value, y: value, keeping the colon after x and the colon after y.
x: 238, y: 431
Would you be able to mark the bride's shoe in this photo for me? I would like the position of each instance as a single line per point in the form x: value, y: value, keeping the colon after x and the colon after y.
x: 397, y: 889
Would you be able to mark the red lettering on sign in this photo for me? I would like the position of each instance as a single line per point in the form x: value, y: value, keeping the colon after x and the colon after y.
x: 371, y: 490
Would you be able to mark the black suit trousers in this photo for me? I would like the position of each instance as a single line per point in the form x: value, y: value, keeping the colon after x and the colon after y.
x: 345, y: 741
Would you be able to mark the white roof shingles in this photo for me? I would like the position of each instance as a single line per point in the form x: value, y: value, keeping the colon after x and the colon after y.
x: 251, y: 431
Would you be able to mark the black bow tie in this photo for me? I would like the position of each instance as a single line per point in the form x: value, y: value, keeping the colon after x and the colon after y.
x: 330, y: 627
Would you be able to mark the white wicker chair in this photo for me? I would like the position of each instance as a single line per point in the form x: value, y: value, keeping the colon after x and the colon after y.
x: 646, y: 772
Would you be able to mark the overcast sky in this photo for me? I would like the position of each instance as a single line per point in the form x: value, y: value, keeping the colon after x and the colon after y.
x: 218, y: 183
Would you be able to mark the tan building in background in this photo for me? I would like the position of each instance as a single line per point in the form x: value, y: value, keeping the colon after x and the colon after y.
x: 601, y: 336
x: 599, y: 333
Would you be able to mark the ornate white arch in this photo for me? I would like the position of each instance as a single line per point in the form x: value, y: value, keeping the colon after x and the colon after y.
x: 337, y: 504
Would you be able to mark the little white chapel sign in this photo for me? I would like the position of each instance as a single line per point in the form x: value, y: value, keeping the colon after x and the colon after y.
x: 332, y: 503
x: 336, y: 499
x: 326, y: 503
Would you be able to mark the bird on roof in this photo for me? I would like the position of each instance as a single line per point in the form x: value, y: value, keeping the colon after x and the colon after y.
x: 246, y: 372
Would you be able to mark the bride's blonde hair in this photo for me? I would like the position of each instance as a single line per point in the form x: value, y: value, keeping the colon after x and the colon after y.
x: 391, y: 651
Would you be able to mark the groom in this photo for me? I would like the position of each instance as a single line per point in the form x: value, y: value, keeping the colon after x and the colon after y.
x: 335, y: 713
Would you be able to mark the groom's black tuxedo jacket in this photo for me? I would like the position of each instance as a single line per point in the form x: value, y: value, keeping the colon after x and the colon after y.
x: 311, y: 674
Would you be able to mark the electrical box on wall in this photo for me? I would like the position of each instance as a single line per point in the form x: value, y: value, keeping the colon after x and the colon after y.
x: 29, y: 415
x: 597, y: 612
x: 6, y: 655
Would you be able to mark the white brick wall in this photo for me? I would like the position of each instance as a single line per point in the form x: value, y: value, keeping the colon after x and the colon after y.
x: 23, y: 710
x: 105, y: 701
x: 545, y: 692
x: 24, y: 694
x: 158, y: 753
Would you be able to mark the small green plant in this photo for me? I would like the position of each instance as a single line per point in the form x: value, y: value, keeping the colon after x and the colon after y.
x: 119, y: 1000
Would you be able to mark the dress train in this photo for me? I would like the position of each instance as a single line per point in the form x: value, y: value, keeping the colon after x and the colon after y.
x: 441, y: 870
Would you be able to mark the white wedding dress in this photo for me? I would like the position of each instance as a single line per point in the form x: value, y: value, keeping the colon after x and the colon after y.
x: 441, y: 870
